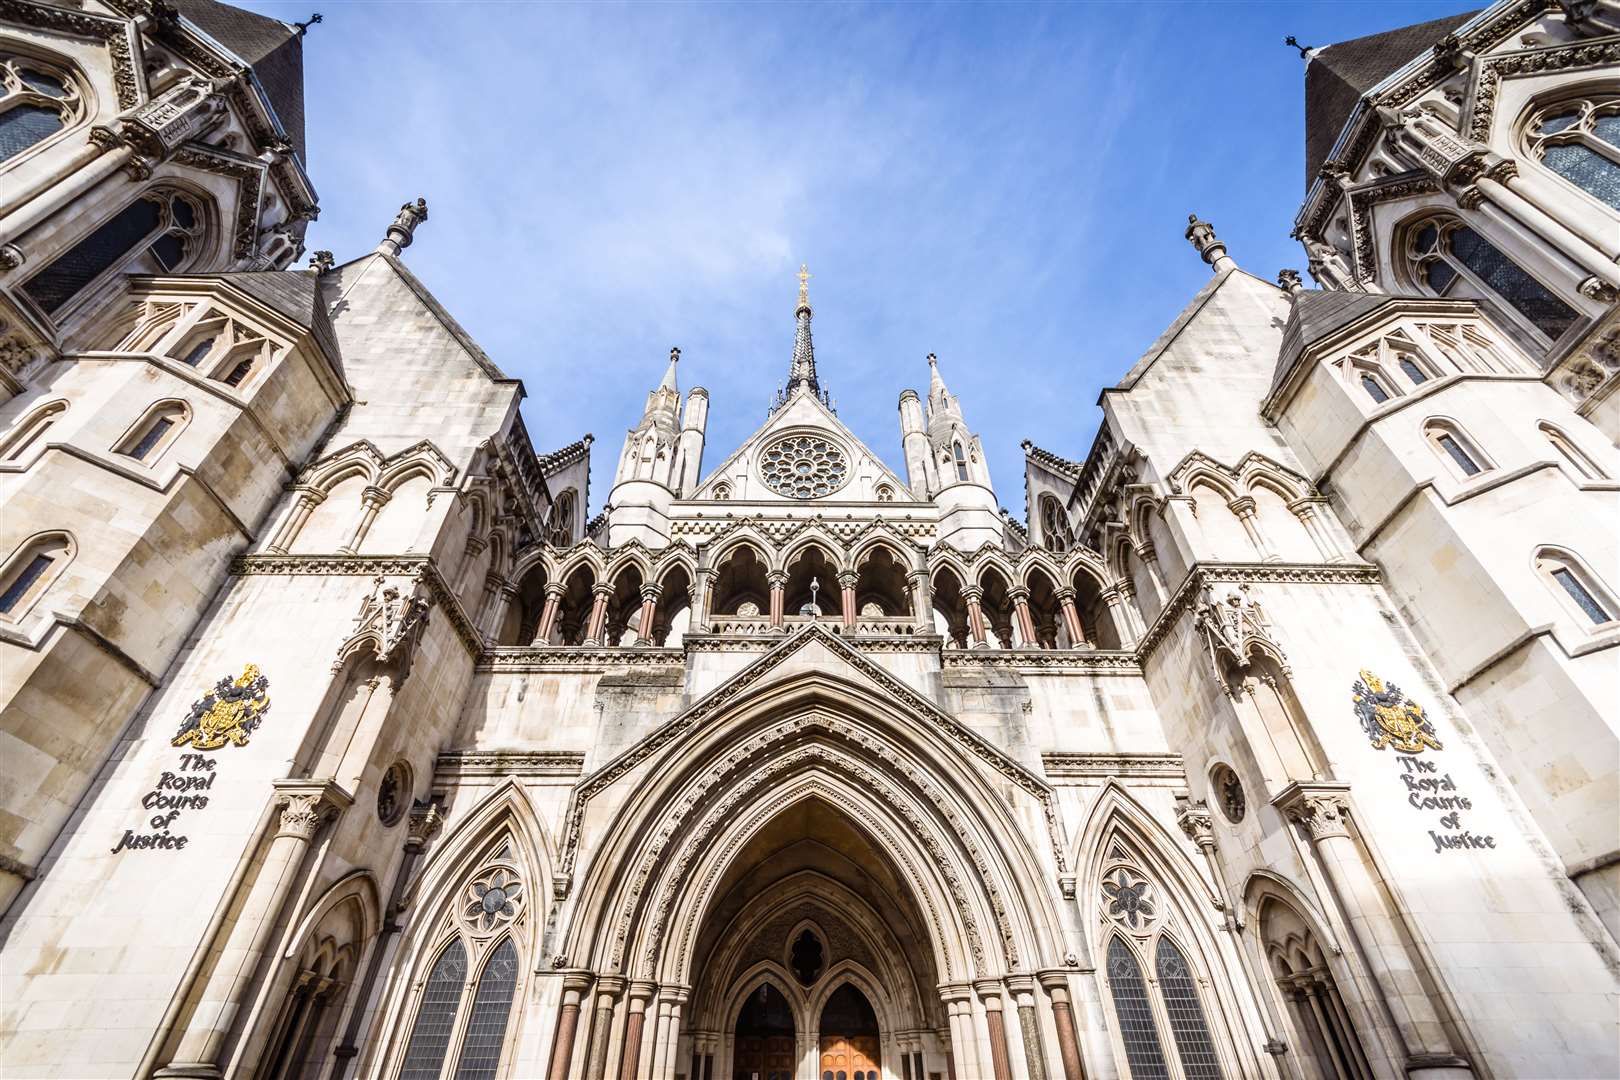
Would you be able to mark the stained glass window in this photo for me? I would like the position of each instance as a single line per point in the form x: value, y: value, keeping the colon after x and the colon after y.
x: 1375, y: 389
x: 1413, y: 372
x: 35, y: 104
x: 168, y: 223
x: 1136, y: 1025
x: 486, y: 1029
x: 1455, y: 451
x: 154, y: 434
x: 1193, y: 1044
x: 430, y: 1038
x: 1580, y: 141
x: 1508, y: 280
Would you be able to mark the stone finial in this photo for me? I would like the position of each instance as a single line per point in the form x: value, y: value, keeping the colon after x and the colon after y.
x: 403, y: 230
x: 302, y: 28
x: 321, y: 262
x: 1289, y: 280
x: 1201, y: 234
x: 1305, y: 51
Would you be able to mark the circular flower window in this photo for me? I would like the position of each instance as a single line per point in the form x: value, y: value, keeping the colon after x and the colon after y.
x: 493, y: 898
x: 1128, y: 897
x: 393, y: 792
x: 804, y: 467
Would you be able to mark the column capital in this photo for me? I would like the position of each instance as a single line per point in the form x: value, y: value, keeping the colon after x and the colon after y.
x: 776, y: 578
x: 1053, y: 980
x: 651, y: 592
x: 1242, y: 506
x: 1020, y: 984
x: 374, y: 496
x: 990, y: 991
x: 425, y: 820
x: 1320, y: 806
x: 641, y: 990
x: 612, y: 985
x: 847, y: 579
x: 602, y: 589
x: 555, y: 590
x: 1195, y: 821
x: 1066, y: 595
x: 306, y: 804
x: 972, y: 594
x: 953, y: 992
x: 309, y: 494
x: 1018, y: 594
x: 578, y: 980
x: 675, y: 992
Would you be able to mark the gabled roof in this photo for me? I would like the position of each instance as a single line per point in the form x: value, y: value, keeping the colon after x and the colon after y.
x: 273, y: 49
x: 1051, y: 462
x: 1236, y: 278
x: 1337, y: 75
x: 1316, y: 314
x: 295, y: 294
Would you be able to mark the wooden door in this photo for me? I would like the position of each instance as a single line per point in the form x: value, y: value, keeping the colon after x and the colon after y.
x: 850, y: 1057
x: 764, y: 1057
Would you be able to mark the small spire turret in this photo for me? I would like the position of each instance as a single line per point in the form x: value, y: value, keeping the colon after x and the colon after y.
x: 403, y: 230
x: 802, y: 372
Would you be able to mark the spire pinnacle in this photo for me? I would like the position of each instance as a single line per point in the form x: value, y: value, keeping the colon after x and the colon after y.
x: 803, y: 371
x: 804, y: 286
x: 668, y: 382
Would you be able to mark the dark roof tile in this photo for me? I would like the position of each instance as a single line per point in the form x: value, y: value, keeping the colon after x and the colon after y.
x: 270, y: 47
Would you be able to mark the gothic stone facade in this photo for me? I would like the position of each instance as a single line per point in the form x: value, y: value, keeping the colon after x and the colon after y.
x: 1280, y: 742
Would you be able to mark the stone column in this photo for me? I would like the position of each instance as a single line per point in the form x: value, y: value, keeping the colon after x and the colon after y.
x: 1023, y: 991
x: 106, y: 153
x: 608, y: 989
x: 677, y: 996
x: 699, y: 596
x: 372, y: 500
x: 305, y: 806
x: 1321, y: 809
x: 1000, y: 1060
x: 964, y: 1050
x: 1026, y: 625
x: 505, y: 593
x: 778, y: 581
x: 1573, y: 247
x: 1150, y: 560
x: 1056, y: 985
x: 649, y: 607
x: 1305, y: 510
x: 548, y: 614
x: 658, y: 1010
x: 846, y: 596
x: 922, y: 602
x: 600, y: 592
x: 575, y: 984
x: 630, y: 1060
x: 1244, y: 507
x: 1115, y: 599
x: 972, y: 595
x: 1071, y: 618
x: 308, y: 499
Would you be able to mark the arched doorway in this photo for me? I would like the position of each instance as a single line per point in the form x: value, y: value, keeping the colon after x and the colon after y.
x: 849, y: 1037
x: 765, y: 1037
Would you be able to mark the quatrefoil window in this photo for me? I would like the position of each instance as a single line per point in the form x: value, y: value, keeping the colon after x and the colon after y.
x: 493, y: 899
x: 804, y: 467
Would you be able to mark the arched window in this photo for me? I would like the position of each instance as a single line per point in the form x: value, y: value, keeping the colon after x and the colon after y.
x: 459, y: 1030
x: 1193, y: 1044
x: 1055, y: 530
x: 1413, y: 370
x: 1315, y: 1006
x: 885, y: 493
x: 1451, y: 259
x: 1456, y: 448
x: 157, y: 233
x: 30, y: 430
x: 722, y: 492
x: 154, y: 432
x: 198, y: 352
x: 239, y: 373
x: 1576, y: 458
x: 961, y: 461
x: 37, y: 101
x: 30, y: 572
x: 1577, y: 588
x: 1580, y: 141
x: 1137, y: 1028
x: 560, y: 527
x: 1375, y: 388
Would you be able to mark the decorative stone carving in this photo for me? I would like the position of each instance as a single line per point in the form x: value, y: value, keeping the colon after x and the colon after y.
x: 390, y: 620
x: 1233, y: 627
x: 301, y: 815
x: 1320, y: 808
x: 493, y: 899
x: 804, y: 466
x: 176, y: 116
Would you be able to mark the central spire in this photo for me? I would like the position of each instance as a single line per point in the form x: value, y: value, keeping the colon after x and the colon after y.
x: 803, y: 372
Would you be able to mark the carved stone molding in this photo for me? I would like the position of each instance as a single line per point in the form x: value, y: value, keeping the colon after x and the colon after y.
x: 1045, y: 661
x: 575, y: 658
x: 1233, y: 626
x: 116, y: 34
x: 391, y: 620
x: 467, y: 764
x: 306, y: 804
x: 1604, y: 54
x: 1101, y: 766
x: 1320, y: 807
x: 1195, y: 821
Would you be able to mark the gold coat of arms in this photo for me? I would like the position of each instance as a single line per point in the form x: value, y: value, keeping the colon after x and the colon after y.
x: 1390, y: 719
x: 228, y: 713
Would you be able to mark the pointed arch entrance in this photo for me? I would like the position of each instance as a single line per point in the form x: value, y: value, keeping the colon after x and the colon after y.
x: 849, y: 1038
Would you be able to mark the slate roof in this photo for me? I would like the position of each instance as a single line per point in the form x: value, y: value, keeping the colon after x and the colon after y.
x: 270, y: 47
x: 297, y: 295
x: 1316, y: 314
x: 1336, y: 76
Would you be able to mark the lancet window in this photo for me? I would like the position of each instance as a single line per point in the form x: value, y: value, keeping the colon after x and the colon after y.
x: 1577, y: 587
x: 1456, y: 448
x: 160, y: 233
x: 1579, y: 140
x: 961, y: 461
x: 1162, y: 1021
x: 1055, y: 530
x: 155, y: 432
x: 1315, y: 1007
x: 463, y: 1006
x: 30, y: 572
x: 32, y: 429
x: 560, y: 520
x: 37, y: 101
x: 1450, y: 259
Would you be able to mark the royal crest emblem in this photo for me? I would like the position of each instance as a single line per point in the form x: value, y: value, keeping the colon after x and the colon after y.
x: 228, y: 713
x: 1390, y: 719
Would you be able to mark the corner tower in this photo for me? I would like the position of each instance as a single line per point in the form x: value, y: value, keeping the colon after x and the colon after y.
x: 945, y: 461
x: 650, y: 469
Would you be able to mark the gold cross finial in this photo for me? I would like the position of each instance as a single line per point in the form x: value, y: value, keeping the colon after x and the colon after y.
x: 804, y: 284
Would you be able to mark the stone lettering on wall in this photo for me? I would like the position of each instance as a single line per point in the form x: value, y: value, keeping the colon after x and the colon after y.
x: 186, y: 787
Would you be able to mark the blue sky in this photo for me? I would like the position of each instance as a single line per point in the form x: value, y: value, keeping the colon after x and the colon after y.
x: 1003, y: 185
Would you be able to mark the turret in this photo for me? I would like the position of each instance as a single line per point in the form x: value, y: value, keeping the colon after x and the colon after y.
x: 693, y: 422
x: 920, y: 472
x: 648, y: 474
x: 955, y: 470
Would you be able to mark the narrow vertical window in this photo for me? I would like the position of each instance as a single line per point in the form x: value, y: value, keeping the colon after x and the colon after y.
x: 486, y: 1028
x: 961, y: 461
x: 148, y: 440
x: 1375, y: 389
x: 1137, y: 1028
x: 198, y: 351
x: 1413, y: 372
x: 239, y: 373
x: 24, y: 582
x: 1578, y: 592
x: 32, y: 430
x: 1193, y: 1044
x: 1452, y: 447
x: 1573, y: 455
x: 154, y: 435
x: 162, y: 228
x: 430, y: 1037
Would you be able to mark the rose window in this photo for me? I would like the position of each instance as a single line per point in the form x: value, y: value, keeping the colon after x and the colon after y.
x: 493, y: 898
x: 804, y: 467
x: 1128, y: 897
